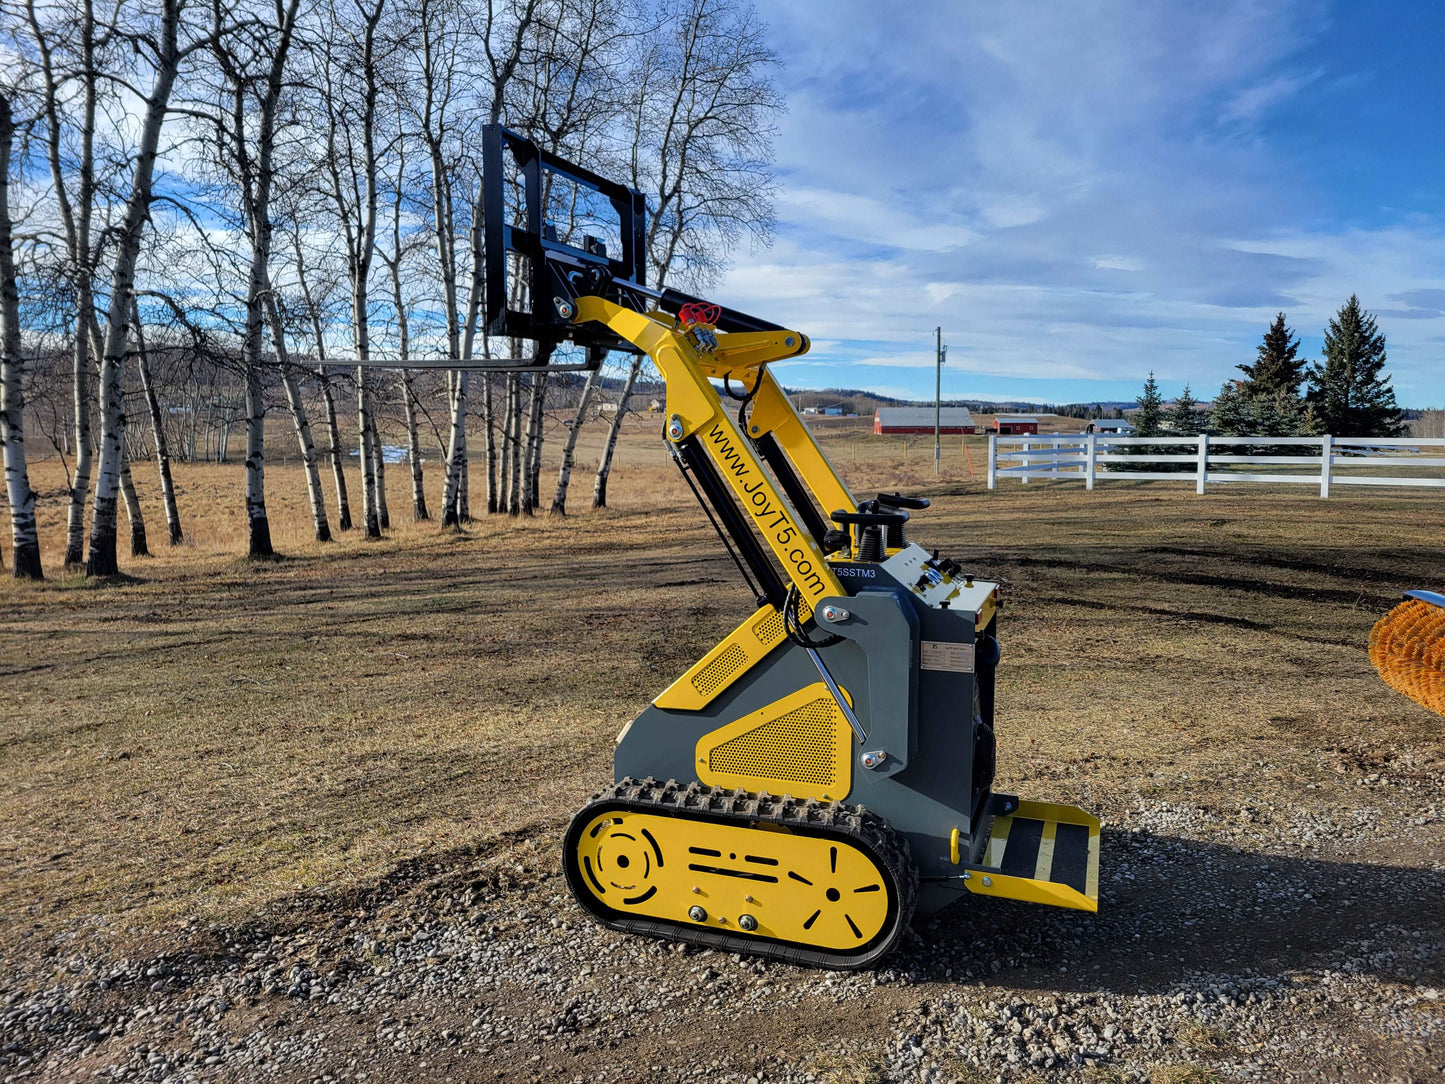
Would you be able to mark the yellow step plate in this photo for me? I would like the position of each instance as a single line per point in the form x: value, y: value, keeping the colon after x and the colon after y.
x: 760, y: 881
x: 1041, y: 853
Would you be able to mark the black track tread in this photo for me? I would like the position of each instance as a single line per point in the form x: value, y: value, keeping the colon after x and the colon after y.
x: 694, y: 800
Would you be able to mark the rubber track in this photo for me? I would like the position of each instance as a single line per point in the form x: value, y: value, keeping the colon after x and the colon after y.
x: 693, y: 800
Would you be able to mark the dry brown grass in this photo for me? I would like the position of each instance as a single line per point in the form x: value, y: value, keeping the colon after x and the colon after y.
x: 216, y: 734
x: 1205, y: 1040
x: 847, y: 1064
x: 1184, y: 1074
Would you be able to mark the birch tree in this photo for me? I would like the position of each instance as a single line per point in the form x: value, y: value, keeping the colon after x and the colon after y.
x: 165, y: 51
x: 440, y: 62
x: 569, y: 447
x: 378, y: 460
x: 320, y: 525
x: 334, y: 453
x: 394, y: 258
x: 503, y: 37
x: 253, y: 68
x: 350, y: 91
x: 159, y: 437
x: 23, y: 535
x: 701, y: 150
x: 70, y: 90
x: 133, y: 512
x: 614, y: 430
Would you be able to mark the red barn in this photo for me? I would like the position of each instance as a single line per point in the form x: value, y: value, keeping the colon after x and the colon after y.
x: 919, y: 420
x: 1015, y: 425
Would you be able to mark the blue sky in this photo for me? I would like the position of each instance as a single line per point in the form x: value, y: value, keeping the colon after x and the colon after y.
x: 1081, y: 192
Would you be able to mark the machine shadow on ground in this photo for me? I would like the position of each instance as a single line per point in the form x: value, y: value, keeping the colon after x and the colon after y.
x: 1184, y: 908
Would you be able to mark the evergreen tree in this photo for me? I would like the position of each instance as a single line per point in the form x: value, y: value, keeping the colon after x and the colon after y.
x: 1185, y: 419
x: 1232, y: 414
x: 1277, y: 367
x: 1350, y: 393
x: 1281, y: 415
x: 1151, y: 409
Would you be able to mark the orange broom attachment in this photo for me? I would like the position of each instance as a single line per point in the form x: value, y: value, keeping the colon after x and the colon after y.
x: 1407, y: 646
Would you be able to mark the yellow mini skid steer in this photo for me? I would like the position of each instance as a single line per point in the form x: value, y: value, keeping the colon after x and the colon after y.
x: 827, y: 769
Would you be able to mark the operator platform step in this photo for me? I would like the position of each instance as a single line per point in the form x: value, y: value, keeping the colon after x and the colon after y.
x: 1041, y: 853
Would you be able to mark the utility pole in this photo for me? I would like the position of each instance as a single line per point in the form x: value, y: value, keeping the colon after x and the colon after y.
x: 940, y: 352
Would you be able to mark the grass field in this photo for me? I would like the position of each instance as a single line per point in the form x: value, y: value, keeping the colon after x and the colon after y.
x: 213, y: 735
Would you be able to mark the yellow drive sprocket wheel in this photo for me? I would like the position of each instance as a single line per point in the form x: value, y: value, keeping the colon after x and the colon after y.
x: 1407, y: 646
x: 814, y: 883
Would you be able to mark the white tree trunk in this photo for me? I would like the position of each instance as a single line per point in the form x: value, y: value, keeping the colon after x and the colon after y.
x: 23, y: 534
x: 604, y: 465
x: 158, y: 432
x: 514, y: 444
x: 413, y: 450
x: 223, y: 433
x: 378, y: 450
x: 504, y: 441
x: 255, y: 173
x: 101, y: 560
x: 358, y: 220
x: 74, y: 164
x: 334, y: 454
x: 80, y: 479
x: 258, y: 525
x: 403, y: 329
x: 489, y: 428
x: 301, y: 421
x: 464, y: 498
x: 532, y: 449
x: 333, y: 432
x: 456, y: 451
x: 538, y: 425
x: 370, y: 518
x: 133, y: 512
x: 308, y: 455
x: 569, y: 449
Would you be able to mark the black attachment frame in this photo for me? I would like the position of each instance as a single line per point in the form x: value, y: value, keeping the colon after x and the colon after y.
x: 554, y: 268
x: 557, y: 272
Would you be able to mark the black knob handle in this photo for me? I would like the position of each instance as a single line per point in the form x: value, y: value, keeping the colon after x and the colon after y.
x: 898, y: 500
x: 870, y: 519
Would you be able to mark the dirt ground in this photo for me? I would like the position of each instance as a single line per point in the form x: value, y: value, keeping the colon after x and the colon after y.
x: 246, y: 804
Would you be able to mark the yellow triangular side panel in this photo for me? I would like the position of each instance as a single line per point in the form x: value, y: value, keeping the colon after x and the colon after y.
x: 799, y: 745
x: 745, y: 646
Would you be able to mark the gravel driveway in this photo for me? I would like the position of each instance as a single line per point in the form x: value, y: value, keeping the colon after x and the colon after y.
x: 1270, y: 945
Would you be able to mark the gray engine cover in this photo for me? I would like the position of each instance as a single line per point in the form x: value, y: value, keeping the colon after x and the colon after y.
x: 923, y: 718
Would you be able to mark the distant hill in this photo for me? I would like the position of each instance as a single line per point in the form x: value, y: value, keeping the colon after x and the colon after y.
x: 860, y: 401
x: 857, y: 401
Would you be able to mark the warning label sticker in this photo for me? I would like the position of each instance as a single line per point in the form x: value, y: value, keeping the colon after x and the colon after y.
x: 938, y: 655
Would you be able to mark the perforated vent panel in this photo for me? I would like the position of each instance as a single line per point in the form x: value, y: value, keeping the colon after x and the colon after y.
x: 770, y: 629
x: 797, y: 747
x: 716, y: 673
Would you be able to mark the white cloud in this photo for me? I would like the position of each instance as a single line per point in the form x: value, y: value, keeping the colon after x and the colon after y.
x: 1253, y: 102
x: 867, y: 219
x: 1077, y: 194
x: 1118, y: 263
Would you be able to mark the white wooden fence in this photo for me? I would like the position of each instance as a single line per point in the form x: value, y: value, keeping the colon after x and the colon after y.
x: 1097, y: 458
